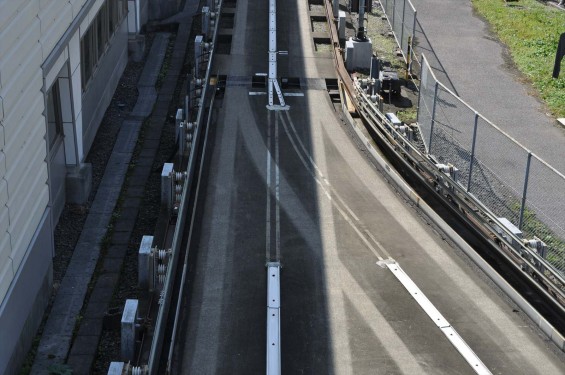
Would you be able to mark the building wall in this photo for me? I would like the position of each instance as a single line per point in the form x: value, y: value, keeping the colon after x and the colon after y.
x: 99, y: 93
x: 40, y: 43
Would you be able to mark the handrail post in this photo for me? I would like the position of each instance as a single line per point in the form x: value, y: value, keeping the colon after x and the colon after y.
x: 526, y: 178
x: 433, y: 117
x: 472, y: 152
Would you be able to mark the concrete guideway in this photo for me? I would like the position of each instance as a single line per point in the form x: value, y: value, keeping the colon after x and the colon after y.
x: 340, y: 312
x: 477, y: 66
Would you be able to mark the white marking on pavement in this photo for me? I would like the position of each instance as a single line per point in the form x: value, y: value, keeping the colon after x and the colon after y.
x: 439, y: 320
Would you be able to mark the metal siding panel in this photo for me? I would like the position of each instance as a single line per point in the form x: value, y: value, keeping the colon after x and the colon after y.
x: 6, y: 274
x: 4, y: 220
x: 12, y: 27
x: 25, y: 224
x: 22, y: 176
x: 3, y: 196
x: 20, y: 31
x: 57, y: 25
x: 27, y: 113
x: 2, y: 164
x: 29, y: 77
x: 18, y: 55
x: 4, y: 246
x: 1, y: 118
x: 21, y: 135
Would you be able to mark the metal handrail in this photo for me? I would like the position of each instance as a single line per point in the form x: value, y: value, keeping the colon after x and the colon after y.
x: 425, y: 163
x: 165, y: 300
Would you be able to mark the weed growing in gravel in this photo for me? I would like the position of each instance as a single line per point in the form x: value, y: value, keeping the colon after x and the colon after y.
x: 531, y: 31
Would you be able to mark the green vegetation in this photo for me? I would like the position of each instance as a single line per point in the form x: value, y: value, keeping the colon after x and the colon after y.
x: 531, y: 31
x: 408, y: 115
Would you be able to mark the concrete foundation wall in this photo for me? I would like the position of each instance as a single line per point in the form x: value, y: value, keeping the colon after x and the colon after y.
x: 22, y: 309
x: 97, y: 97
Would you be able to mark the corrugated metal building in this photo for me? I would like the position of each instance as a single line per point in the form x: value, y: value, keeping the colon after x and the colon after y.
x: 60, y: 62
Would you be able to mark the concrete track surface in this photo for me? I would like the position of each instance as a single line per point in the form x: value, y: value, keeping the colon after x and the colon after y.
x: 292, y: 186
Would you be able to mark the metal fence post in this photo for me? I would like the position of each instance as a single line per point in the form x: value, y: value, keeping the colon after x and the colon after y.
x: 412, y: 41
x: 526, y: 178
x: 473, y: 152
x: 393, y: 14
x: 402, y: 25
x: 433, y: 117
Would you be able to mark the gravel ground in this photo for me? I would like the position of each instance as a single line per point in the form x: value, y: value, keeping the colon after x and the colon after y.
x: 109, y: 346
x: 67, y: 231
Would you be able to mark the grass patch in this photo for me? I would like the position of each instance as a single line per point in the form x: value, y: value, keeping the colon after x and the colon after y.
x: 531, y: 31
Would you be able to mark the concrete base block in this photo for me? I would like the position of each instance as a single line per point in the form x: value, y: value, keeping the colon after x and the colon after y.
x: 358, y: 54
x: 136, y: 47
x: 79, y: 183
x: 341, y: 24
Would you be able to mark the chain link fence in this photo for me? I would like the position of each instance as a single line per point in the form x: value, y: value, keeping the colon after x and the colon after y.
x: 502, y: 174
x: 401, y: 16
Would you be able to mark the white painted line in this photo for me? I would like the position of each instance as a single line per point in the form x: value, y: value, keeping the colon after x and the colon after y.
x: 326, y: 187
x: 293, y: 94
x: 257, y: 93
x: 472, y: 359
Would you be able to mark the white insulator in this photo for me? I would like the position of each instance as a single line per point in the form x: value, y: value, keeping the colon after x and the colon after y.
x: 191, y: 126
x: 189, y: 137
x: 198, y: 82
x: 188, y: 145
x: 212, y: 15
x: 161, y: 269
x: 197, y: 92
x: 162, y: 254
x: 178, y: 188
x: 136, y: 370
x: 374, y: 98
x: 178, y: 197
x: 443, y: 168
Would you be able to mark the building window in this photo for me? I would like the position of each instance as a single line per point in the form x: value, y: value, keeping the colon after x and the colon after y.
x: 95, y: 40
x: 54, y: 118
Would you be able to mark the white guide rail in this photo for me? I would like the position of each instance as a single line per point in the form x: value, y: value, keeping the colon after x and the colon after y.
x: 273, y: 83
x: 273, y: 319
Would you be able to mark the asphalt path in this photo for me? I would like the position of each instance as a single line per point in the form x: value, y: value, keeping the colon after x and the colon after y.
x: 479, y: 68
x: 292, y: 186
